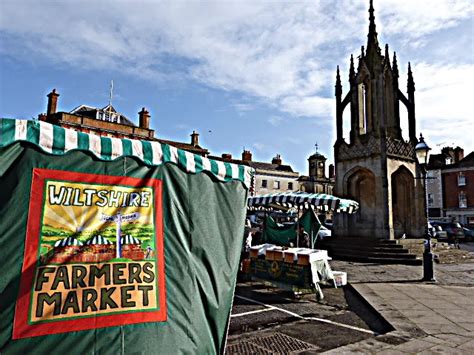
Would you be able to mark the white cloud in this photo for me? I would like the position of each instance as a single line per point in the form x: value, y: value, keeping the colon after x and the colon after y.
x: 443, y: 100
x: 275, y: 120
x: 283, y: 53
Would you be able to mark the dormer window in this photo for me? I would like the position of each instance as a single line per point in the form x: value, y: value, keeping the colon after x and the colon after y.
x: 461, y: 179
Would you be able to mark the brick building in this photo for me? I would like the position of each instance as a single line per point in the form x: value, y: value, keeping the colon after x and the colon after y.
x: 451, y: 193
x: 109, y: 122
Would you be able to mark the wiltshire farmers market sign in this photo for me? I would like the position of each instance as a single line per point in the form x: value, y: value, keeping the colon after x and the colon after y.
x: 93, y: 254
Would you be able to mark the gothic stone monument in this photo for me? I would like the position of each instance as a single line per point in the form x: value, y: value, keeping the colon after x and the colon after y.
x: 377, y: 167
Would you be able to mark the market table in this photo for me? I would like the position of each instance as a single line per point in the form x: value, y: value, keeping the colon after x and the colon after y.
x: 297, y: 269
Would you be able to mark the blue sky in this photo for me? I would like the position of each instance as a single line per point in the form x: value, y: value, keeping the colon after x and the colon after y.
x: 251, y: 74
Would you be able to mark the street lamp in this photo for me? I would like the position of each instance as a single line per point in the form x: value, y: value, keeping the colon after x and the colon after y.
x: 422, y: 151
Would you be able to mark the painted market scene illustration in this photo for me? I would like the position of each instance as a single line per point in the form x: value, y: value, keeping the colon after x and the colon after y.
x: 319, y: 202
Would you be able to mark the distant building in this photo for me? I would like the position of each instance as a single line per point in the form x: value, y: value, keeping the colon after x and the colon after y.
x: 271, y: 177
x: 317, y: 181
x: 109, y: 122
x: 451, y: 191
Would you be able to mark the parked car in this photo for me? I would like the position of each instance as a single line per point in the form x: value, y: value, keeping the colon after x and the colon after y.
x: 438, y: 232
x: 453, y: 230
x: 324, y: 233
x: 328, y: 223
x: 469, y: 233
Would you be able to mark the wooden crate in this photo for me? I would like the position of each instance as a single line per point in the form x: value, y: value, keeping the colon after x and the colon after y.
x: 277, y: 255
x: 254, y: 253
x: 303, y: 259
x: 289, y: 257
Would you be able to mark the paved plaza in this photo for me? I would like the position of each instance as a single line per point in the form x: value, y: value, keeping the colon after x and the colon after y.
x: 426, y: 318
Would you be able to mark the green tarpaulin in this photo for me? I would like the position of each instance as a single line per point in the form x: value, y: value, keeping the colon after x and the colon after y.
x: 286, y: 234
x: 163, y: 283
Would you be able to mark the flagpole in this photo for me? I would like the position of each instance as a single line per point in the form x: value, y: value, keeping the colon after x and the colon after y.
x: 110, y: 99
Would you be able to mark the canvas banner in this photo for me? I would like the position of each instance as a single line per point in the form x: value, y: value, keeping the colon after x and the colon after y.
x: 114, y: 257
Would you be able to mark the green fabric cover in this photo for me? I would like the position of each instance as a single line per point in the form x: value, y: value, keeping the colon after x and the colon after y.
x: 284, y: 235
x: 203, y: 232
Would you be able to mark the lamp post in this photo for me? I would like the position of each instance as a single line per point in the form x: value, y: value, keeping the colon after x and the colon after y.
x: 422, y: 151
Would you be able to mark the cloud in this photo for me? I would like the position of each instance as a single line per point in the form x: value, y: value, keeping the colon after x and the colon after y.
x: 283, y: 53
x: 443, y: 91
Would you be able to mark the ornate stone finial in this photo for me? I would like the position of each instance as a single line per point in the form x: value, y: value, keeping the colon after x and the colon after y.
x: 362, y: 52
x: 387, y: 56
x: 372, y: 41
x: 410, y: 82
x: 395, y: 65
x: 352, y: 70
x: 338, y: 83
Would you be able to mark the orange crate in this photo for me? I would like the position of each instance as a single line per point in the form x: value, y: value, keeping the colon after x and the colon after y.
x: 289, y: 257
x: 278, y: 255
x: 303, y: 259
x: 254, y: 253
x: 270, y: 255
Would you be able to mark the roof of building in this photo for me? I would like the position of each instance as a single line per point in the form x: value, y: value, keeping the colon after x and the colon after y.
x: 262, y: 168
x: 197, y: 149
x: 271, y: 167
x: 90, y: 111
x: 317, y: 156
x: 468, y: 160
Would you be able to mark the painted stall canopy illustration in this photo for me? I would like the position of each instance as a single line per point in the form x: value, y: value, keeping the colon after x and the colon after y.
x: 94, y: 248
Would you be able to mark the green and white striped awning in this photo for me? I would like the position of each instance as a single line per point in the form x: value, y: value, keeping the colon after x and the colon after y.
x: 68, y: 241
x: 128, y: 239
x: 58, y: 141
x: 98, y: 240
x: 302, y: 200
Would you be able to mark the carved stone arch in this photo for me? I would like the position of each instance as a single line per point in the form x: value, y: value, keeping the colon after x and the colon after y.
x: 402, y: 197
x: 360, y: 185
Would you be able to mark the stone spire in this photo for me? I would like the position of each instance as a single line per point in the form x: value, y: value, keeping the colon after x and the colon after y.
x: 387, y: 56
x: 338, y: 83
x: 410, y: 82
x: 395, y: 65
x: 352, y: 73
x: 372, y: 41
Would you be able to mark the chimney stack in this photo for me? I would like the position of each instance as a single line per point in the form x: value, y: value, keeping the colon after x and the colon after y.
x: 227, y: 156
x: 144, y: 118
x: 246, y: 155
x: 277, y: 160
x: 331, y: 171
x: 52, y: 103
x: 458, y: 154
x: 194, y: 139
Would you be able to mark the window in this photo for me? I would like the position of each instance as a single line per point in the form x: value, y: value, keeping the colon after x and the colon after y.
x: 462, y: 200
x: 461, y: 179
x: 264, y: 183
x: 430, y: 200
x: 362, y: 92
x: 290, y: 186
x: 276, y: 184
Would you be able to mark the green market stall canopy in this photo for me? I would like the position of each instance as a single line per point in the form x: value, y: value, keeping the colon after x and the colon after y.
x: 58, y: 141
x: 115, y: 245
x: 302, y: 200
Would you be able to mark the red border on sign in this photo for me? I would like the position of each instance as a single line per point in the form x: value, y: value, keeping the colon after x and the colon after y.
x: 21, y: 327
